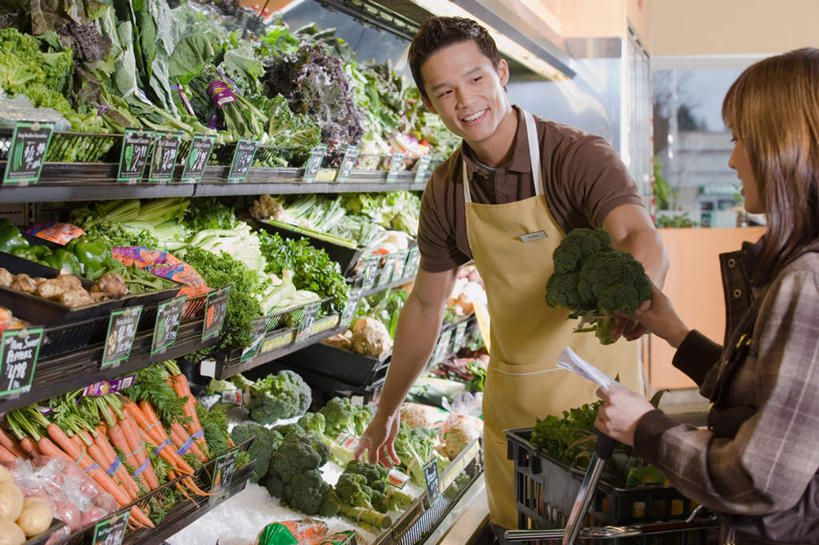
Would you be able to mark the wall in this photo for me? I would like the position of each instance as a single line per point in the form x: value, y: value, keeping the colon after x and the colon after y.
x: 732, y: 27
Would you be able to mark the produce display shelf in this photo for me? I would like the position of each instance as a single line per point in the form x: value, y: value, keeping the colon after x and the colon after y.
x: 228, y: 366
x: 183, y: 515
x: 391, y: 285
x: 62, y: 182
x: 67, y: 372
x: 327, y: 384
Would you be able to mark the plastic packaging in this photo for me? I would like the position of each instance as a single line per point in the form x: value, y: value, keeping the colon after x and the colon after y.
x: 461, y: 427
x: 164, y: 265
x: 293, y: 532
x: 20, y: 108
x: 61, y: 233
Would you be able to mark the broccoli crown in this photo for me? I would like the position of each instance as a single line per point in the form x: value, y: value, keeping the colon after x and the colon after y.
x: 297, y: 454
x: 352, y: 489
x: 372, y: 472
x: 313, y: 422
x: 577, y: 246
x: 341, y: 417
x: 274, y: 484
x: 306, y: 492
x: 287, y: 429
x: 613, y: 281
x: 561, y: 291
x: 279, y: 396
x: 266, y: 442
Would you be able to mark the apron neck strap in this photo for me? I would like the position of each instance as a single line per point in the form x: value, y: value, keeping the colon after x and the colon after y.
x: 534, y: 159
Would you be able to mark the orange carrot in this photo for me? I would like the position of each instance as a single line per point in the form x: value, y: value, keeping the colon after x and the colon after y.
x: 118, y: 440
x: 180, y: 438
x: 111, y: 459
x: 137, y: 449
x: 155, y: 433
x: 182, y: 389
x: 50, y: 449
x: 29, y: 447
x: 11, y: 444
x: 64, y: 442
x: 6, y: 456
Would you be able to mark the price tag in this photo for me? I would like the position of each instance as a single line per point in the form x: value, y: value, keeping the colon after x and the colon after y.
x: 19, y: 349
x: 352, y: 303
x: 458, y: 340
x: 242, y: 159
x: 421, y: 169
x: 400, y: 265
x: 278, y: 340
x: 396, y: 165
x: 164, y: 159
x: 201, y: 148
x: 347, y: 163
x: 259, y: 328
x: 136, y: 143
x: 215, y: 311
x: 223, y: 468
x: 411, y: 268
x: 314, y: 163
x: 111, y: 531
x: 442, y: 348
x: 27, y: 152
x: 168, y: 316
x: 431, y: 480
x: 122, y: 328
x: 107, y: 387
x: 307, y: 319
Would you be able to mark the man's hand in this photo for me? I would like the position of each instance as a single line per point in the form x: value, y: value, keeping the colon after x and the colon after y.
x: 620, y: 412
x: 378, y: 440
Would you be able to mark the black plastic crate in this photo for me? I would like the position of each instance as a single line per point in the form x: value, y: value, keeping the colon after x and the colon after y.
x: 546, y: 489
x: 348, y: 367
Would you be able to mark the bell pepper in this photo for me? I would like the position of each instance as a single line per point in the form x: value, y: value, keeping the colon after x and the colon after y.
x: 64, y: 261
x: 10, y: 237
x: 40, y: 250
x: 92, y: 254
x: 25, y: 253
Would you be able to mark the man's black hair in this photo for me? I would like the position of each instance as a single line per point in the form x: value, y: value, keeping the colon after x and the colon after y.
x: 439, y: 32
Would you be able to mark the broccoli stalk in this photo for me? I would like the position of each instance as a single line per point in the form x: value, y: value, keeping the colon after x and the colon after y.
x: 333, y: 505
x: 384, y: 496
x: 594, y: 280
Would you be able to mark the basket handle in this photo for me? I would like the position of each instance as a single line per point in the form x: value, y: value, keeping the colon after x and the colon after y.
x: 604, y: 446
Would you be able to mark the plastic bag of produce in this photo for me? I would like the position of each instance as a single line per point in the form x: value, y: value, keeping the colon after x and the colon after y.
x: 293, y: 532
x: 20, y: 108
x: 61, y: 233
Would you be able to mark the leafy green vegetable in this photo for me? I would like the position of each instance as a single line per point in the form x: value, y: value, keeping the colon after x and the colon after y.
x: 569, y: 439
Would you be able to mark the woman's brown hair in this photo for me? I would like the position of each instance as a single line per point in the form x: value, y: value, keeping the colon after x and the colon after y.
x: 773, y: 109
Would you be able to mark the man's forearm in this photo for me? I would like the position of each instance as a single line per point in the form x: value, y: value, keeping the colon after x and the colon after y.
x: 415, y: 336
x: 647, y: 248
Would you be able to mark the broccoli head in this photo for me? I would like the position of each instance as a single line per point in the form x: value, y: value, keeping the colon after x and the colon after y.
x: 384, y: 497
x: 267, y: 441
x: 593, y: 280
x: 353, y: 490
x: 306, y: 492
x: 372, y: 472
x: 297, y: 454
x: 277, y: 397
x: 313, y: 422
x: 341, y: 417
x: 577, y: 246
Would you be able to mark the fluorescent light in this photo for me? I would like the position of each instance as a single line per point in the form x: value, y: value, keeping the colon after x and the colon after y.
x: 506, y: 45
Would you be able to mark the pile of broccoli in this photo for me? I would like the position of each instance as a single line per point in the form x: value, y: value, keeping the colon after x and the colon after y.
x: 266, y: 442
x: 276, y: 397
x: 593, y: 280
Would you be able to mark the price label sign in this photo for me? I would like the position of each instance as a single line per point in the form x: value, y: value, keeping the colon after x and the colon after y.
x: 458, y: 340
x: 400, y: 265
x: 201, y: 148
x: 122, y: 329
x: 422, y: 169
x: 223, y: 468
x: 370, y: 270
x: 111, y: 531
x: 259, y: 328
x: 314, y: 163
x: 163, y: 162
x: 19, y: 349
x: 215, y: 311
x: 412, y: 261
x: 347, y: 163
x: 387, y: 270
x: 433, y: 483
x: 242, y: 159
x: 307, y: 319
x: 136, y: 143
x: 442, y: 348
x: 27, y: 152
x: 168, y: 316
x: 396, y: 165
x: 352, y: 302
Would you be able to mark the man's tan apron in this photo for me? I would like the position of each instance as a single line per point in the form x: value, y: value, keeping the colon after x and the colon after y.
x: 527, y: 335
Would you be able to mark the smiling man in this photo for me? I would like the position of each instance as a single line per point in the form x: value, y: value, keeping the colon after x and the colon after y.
x: 506, y: 198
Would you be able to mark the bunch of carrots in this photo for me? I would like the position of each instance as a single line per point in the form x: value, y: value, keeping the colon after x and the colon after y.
x: 127, y: 445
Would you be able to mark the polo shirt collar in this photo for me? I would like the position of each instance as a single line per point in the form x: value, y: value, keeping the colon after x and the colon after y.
x: 520, y: 156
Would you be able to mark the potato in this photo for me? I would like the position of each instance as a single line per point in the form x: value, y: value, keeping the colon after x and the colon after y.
x: 11, y: 501
x: 5, y: 475
x: 10, y: 533
x: 36, y: 516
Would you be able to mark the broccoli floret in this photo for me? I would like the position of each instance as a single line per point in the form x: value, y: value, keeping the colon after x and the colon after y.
x: 372, y: 472
x: 298, y: 453
x: 287, y: 429
x: 383, y: 497
x: 593, y: 280
x: 577, y: 246
x: 267, y: 441
x: 353, y: 490
x: 279, y: 396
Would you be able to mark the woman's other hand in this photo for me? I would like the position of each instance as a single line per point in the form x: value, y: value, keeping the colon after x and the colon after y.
x: 620, y: 412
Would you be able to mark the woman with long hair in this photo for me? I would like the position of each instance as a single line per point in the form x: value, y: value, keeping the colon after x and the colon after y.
x: 756, y: 463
